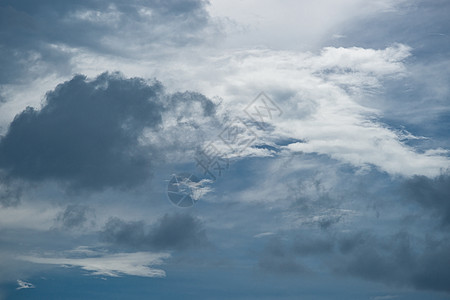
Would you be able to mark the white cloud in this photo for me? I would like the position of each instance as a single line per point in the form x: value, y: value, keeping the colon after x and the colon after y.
x: 137, y: 264
x: 289, y: 24
x: 30, y: 215
x: 321, y: 97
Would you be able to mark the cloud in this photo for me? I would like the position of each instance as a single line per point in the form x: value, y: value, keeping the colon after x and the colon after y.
x: 324, y: 97
x: 339, y: 126
x: 38, y: 36
x: 86, y: 133
x: 10, y: 192
x: 89, y: 133
x: 419, y: 101
x: 309, y: 216
x: 400, y: 259
x: 290, y: 253
x: 276, y: 258
x: 312, y: 246
x: 114, y: 265
x: 263, y: 234
x: 291, y: 24
x: 24, y: 285
x: 171, y: 232
x: 75, y: 217
x: 397, y: 260
x: 432, y: 194
x: 332, y: 102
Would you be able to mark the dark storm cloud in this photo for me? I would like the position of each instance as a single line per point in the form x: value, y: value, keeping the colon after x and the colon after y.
x: 432, y: 194
x: 87, y: 133
x: 31, y: 32
x: 176, y: 231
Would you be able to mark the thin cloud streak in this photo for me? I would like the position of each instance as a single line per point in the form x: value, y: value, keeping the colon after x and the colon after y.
x: 114, y: 265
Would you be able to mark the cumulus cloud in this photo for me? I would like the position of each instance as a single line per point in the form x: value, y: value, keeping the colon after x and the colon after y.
x: 86, y: 133
x: 329, y: 99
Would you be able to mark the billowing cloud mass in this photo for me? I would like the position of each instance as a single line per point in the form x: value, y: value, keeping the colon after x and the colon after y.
x: 308, y: 141
x: 87, y: 133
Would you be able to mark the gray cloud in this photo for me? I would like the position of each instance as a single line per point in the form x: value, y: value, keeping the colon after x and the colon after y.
x: 35, y: 33
x: 397, y: 260
x: 400, y: 259
x: 286, y: 255
x: 86, y: 134
x: 74, y: 216
x: 316, y: 204
x: 387, y: 260
x: 432, y: 272
x: 277, y: 258
x: 312, y: 246
x: 177, y: 231
x: 10, y: 192
x: 432, y: 194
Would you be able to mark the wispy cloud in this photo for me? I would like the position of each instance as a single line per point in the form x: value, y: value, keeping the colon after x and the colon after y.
x: 264, y: 234
x: 115, y: 265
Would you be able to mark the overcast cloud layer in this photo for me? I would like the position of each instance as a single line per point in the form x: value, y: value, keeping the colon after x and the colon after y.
x: 328, y: 122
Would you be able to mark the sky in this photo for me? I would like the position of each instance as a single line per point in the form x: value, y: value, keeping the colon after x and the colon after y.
x: 225, y: 149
